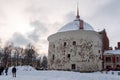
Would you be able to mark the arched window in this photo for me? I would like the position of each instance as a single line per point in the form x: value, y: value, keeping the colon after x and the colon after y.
x: 74, y: 43
x: 73, y: 66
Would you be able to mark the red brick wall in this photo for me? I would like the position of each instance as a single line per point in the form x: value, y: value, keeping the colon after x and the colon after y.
x: 105, y: 40
x: 81, y: 24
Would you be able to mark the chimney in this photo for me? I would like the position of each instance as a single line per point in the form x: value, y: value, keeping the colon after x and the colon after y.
x: 81, y: 24
x: 116, y: 48
x: 118, y: 45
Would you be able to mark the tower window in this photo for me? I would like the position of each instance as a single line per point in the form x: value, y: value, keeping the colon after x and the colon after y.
x: 68, y: 56
x: 53, y: 56
x: 65, y: 44
x: 73, y: 66
x: 74, y: 43
x: 98, y: 51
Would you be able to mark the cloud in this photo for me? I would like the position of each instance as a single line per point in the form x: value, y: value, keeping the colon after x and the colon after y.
x: 35, y: 20
x: 39, y: 29
x: 111, y: 13
x: 32, y: 37
x: 107, y: 16
x: 112, y: 8
x: 19, y: 40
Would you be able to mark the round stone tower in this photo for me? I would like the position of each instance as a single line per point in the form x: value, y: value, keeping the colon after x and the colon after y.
x: 76, y: 46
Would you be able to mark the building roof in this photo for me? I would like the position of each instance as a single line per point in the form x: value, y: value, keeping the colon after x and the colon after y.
x: 112, y: 52
x: 77, y: 24
x: 74, y: 25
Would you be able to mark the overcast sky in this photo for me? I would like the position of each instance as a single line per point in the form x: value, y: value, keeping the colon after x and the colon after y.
x: 32, y: 21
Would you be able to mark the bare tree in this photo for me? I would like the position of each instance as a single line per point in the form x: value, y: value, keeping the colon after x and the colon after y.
x: 7, y: 56
x: 44, y: 62
x: 30, y: 54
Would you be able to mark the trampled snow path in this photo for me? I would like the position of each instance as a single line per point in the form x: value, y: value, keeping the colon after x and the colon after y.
x: 58, y: 75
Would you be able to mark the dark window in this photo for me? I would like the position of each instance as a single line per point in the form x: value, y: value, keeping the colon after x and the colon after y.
x: 108, y: 59
x: 73, y: 66
x: 65, y: 44
x: 118, y: 59
x: 98, y: 51
x: 68, y: 56
x: 74, y: 43
x: 118, y: 67
x: 108, y: 67
x: 53, y: 56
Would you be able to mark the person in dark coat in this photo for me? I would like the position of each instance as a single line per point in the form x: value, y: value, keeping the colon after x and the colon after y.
x: 2, y: 69
x: 14, y: 71
x: 6, y: 71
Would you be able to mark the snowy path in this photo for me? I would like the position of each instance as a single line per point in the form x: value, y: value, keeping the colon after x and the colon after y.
x: 58, y: 75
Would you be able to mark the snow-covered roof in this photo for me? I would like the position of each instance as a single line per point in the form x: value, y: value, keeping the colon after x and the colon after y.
x: 74, y: 25
x: 112, y: 52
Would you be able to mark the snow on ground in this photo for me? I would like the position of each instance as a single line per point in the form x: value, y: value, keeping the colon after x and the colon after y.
x: 29, y: 73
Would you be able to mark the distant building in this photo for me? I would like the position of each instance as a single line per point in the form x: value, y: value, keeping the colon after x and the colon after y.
x: 111, y: 59
x: 105, y: 41
x: 76, y: 46
x: 118, y: 46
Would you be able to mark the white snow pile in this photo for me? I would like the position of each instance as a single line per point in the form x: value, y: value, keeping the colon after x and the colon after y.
x: 32, y: 74
x: 23, y: 68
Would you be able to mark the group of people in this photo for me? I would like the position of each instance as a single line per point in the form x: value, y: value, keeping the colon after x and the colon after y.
x: 2, y: 70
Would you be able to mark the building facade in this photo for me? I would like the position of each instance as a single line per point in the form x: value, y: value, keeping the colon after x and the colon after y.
x: 76, y: 46
x: 111, y: 59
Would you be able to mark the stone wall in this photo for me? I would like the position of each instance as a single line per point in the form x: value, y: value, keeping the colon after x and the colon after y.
x: 78, y: 50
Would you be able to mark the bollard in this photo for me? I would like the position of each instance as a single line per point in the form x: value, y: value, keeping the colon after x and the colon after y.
x: 102, y: 72
x: 106, y: 72
x: 118, y: 73
x: 112, y: 73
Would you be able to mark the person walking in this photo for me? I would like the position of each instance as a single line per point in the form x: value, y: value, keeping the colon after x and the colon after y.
x: 2, y: 69
x: 14, y: 71
x: 6, y: 71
